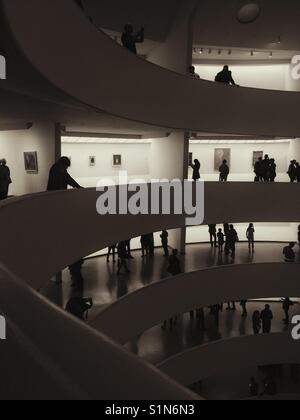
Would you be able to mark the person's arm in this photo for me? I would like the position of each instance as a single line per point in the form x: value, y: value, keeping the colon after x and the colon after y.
x: 72, y: 182
x: 231, y: 80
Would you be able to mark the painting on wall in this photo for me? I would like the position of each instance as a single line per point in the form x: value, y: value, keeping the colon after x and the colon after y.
x: 31, y: 162
x: 92, y: 160
x: 220, y: 156
x: 117, y: 160
x: 256, y: 156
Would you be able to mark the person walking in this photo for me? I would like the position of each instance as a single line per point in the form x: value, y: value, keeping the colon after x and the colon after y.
x: 112, y: 251
x: 221, y: 240
x: 165, y: 243
x: 286, y: 306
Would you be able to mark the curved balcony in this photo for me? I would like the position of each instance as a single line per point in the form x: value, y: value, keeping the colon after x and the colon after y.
x: 110, y: 79
x: 231, y: 355
x: 183, y: 293
x: 59, y: 228
x: 46, y: 350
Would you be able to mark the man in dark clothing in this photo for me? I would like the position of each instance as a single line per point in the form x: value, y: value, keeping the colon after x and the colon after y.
x: 267, y: 318
x: 213, y: 235
x: 5, y: 180
x: 289, y: 252
x: 292, y: 172
x: 266, y: 168
x: 286, y: 305
x: 225, y: 76
x: 59, y: 179
x: 122, y: 253
x: 165, y: 242
x: 231, y: 239
x: 129, y: 40
x: 224, y: 171
x: 259, y: 171
x: 79, y: 306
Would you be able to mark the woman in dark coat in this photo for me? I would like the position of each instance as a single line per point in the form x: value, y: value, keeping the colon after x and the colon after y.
x: 196, y: 170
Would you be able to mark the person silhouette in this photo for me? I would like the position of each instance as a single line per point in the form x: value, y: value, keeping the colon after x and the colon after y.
x: 212, y: 229
x: 259, y: 170
x: 231, y: 240
x: 224, y: 171
x: 292, y: 171
x: 267, y: 318
x: 244, y: 307
x: 250, y: 236
x: 297, y: 171
x: 286, y: 305
x: 266, y: 168
x: 129, y: 40
x: 5, y: 179
x: 289, y: 253
x: 256, y: 322
x: 192, y: 72
x: 225, y: 76
x: 272, y: 170
x: 221, y: 240
x: 112, y: 251
x: 165, y: 242
x: 196, y: 170
x: 59, y: 178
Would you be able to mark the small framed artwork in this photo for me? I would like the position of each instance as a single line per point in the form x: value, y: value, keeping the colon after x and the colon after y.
x: 256, y: 156
x: 117, y: 160
x: 31, y: 162
x: 92, y: 160
x: 190, y: 158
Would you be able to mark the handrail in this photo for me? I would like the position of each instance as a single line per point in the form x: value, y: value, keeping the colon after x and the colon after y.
x: 122, y: 320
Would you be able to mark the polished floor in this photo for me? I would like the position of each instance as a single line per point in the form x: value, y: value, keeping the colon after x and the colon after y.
x: 155, y: 345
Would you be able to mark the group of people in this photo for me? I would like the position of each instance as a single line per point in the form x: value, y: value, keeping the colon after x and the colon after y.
x: 224, y: 170
x: 265, y: 170
x: 294, y: 171
x: 227, y: 238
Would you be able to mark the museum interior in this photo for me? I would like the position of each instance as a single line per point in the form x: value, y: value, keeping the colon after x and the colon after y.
x: 150, y: 333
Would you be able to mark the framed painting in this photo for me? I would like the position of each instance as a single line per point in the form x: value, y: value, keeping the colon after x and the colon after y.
x: 220, y: 156
x: 31, y: 162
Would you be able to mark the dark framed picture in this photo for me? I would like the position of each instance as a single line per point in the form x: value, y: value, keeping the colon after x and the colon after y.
x: 92, y: 160
x: 31, y: 162
x: 117, y: 160
x: 256, y: 156
x: 220, y: 156
x: 190, y: 158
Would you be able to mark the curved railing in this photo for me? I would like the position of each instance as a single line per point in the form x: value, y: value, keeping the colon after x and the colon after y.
x: 50, y: 355
x: 55, y: 229
x: 234, y: 354
x: 112, y: 80
x: 181, y: 294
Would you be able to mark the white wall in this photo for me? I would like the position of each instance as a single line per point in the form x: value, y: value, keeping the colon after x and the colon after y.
x: 135, y: 160
x: 241, y: 159
x: 273, y: 232
x: 264, y: 76
x: 41, y: 139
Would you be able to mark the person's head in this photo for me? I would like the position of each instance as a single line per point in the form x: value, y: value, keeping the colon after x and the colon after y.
x: 224, y: 162
x: 267, y: 307
x: 220, y: 230
x: 226, y: 68
x: 231, y: 227
x: 272, y: 160
x: 64, y: 163
x: 175, y: 252
x: 196, y: 162
x: 292, y: 244
x: 251, y: 225
x: 192, y: 70
x: 266, y: 157
x: 128, y: 29
x: 3, y: 162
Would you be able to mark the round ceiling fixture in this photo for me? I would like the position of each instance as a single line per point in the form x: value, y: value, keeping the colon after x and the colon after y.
x: 249, y: 13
